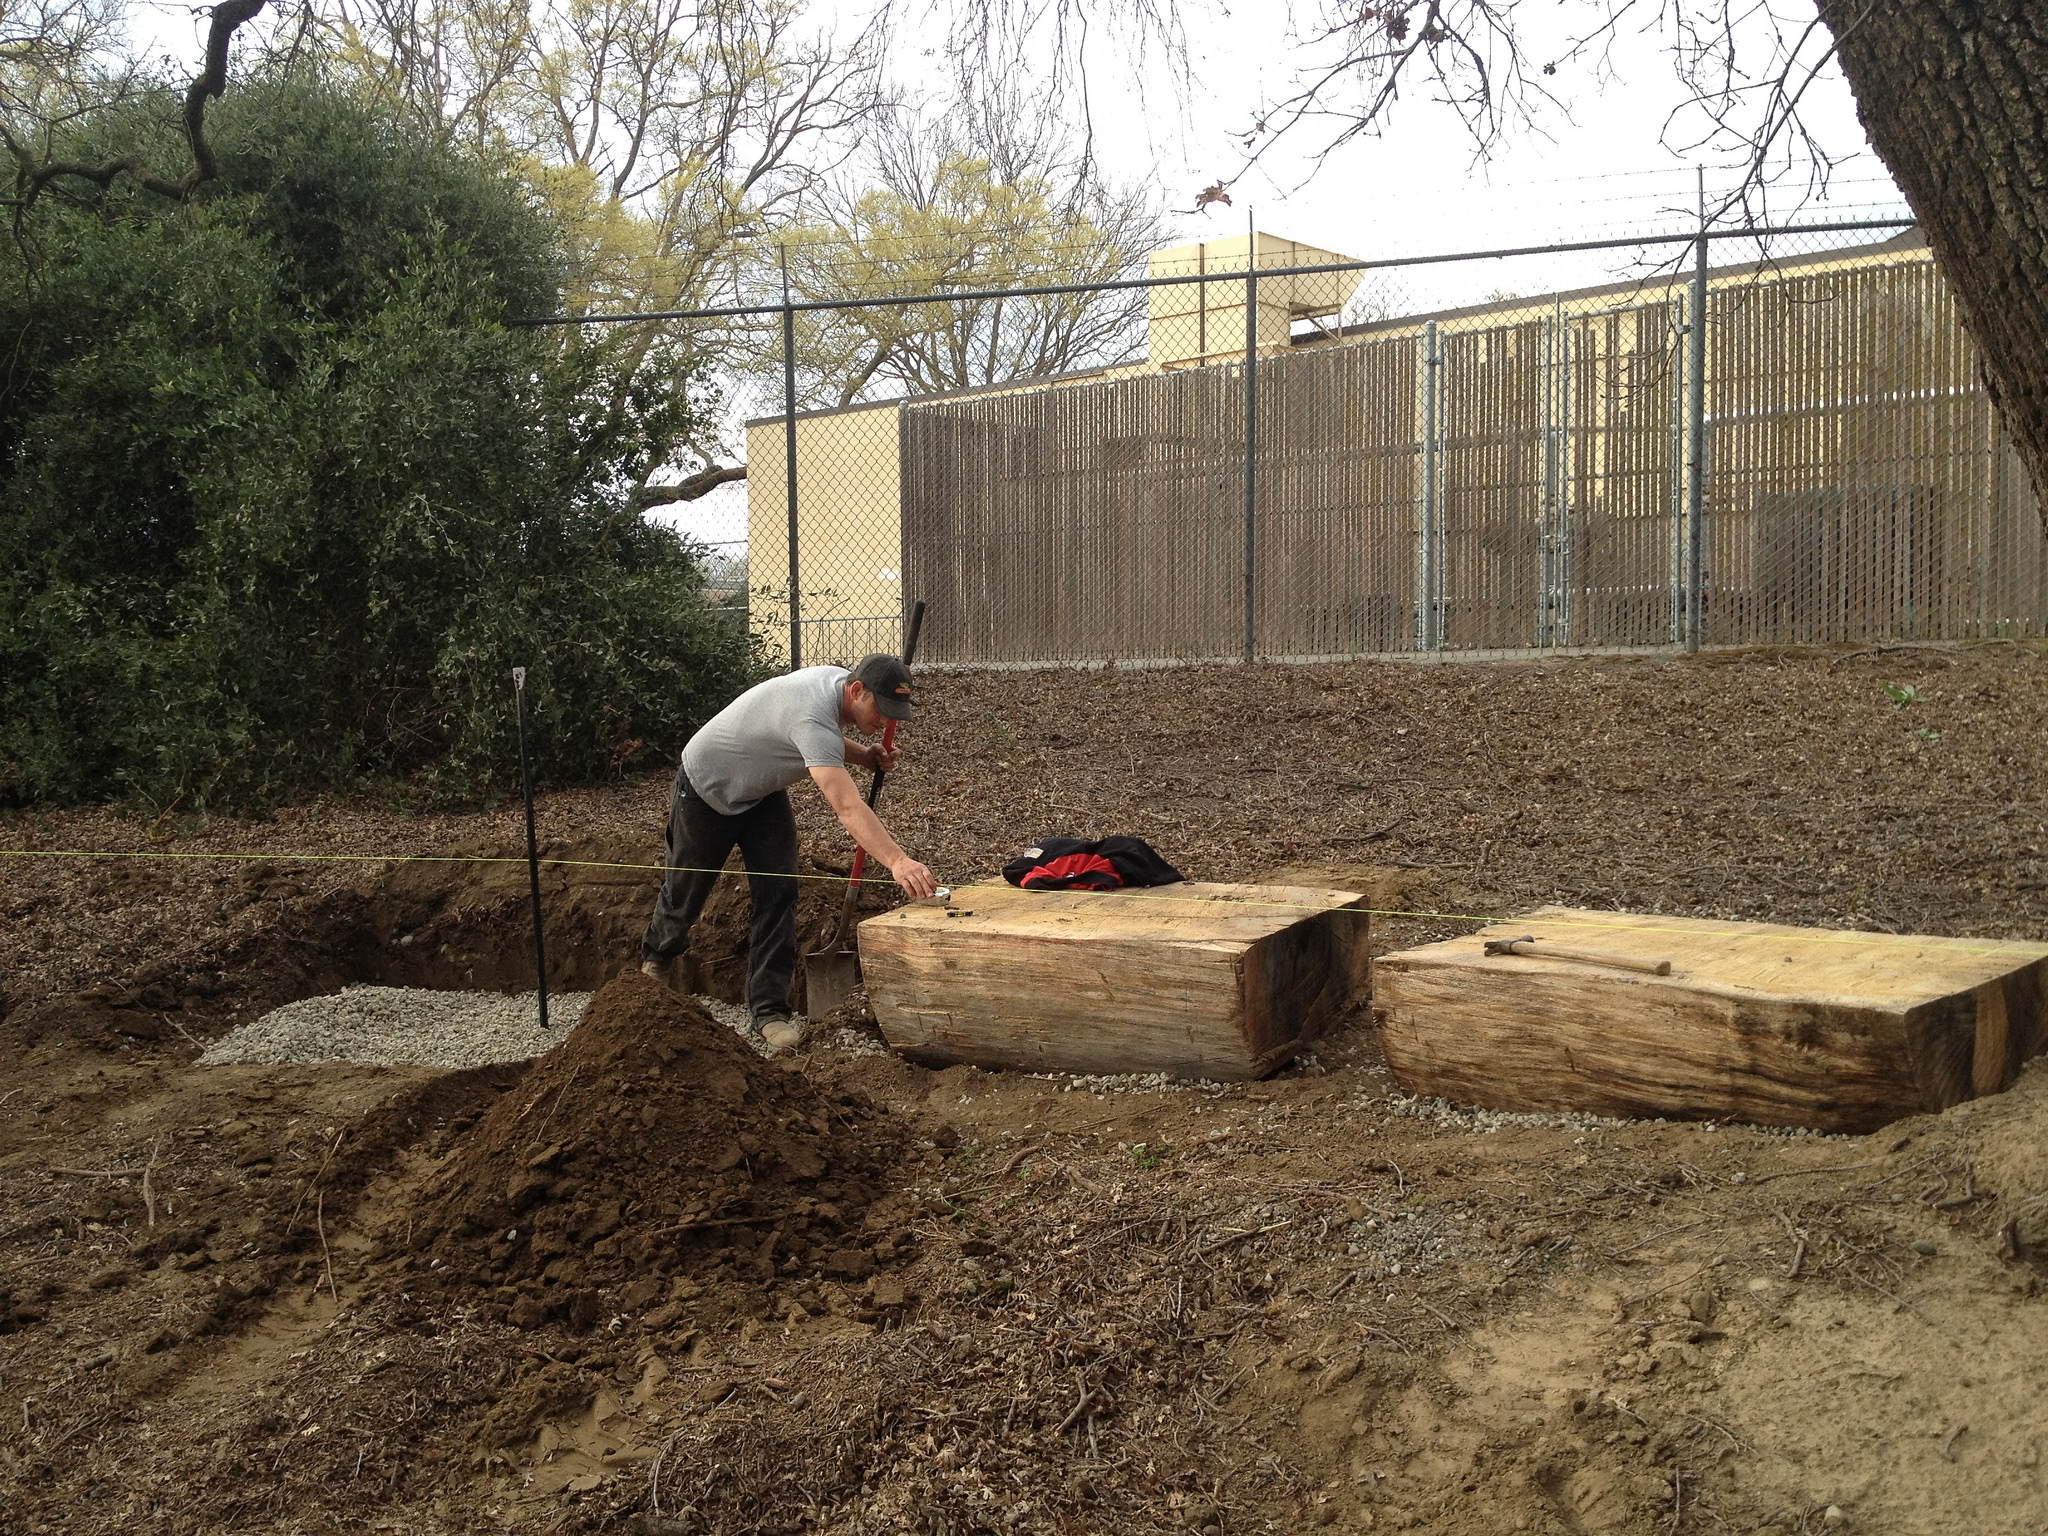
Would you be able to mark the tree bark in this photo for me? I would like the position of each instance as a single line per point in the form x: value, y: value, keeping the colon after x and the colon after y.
x: 1954, y: 96
x: 703, y: 483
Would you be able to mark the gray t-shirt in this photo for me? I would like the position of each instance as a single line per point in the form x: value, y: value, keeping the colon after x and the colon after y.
x: 767, y: 739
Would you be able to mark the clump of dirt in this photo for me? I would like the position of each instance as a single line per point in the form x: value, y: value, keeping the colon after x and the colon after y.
x: 857, y: 1014
x: 651, y: 1143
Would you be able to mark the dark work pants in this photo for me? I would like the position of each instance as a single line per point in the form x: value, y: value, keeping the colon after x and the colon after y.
x: 699, y: 839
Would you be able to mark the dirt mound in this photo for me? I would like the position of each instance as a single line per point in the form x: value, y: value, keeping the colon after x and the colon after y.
x: 652, y: 1143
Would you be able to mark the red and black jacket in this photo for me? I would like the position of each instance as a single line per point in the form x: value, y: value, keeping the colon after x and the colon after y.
x: 1069, y: 864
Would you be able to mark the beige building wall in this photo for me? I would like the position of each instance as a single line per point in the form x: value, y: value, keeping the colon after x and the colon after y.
x: 1505, y: 328
x: 1196, y: 324
x: 1672, y: 285
x: 849, y: 533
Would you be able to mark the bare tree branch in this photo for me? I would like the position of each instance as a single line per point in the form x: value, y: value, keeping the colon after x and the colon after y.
x: 33, y: 175
x: 701, y: 484
x: 1746, y: 65
x: 992, y: 191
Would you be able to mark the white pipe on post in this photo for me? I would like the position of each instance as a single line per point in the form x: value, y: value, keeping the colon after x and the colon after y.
x: 1696, y: 447
x: 1251, y: 436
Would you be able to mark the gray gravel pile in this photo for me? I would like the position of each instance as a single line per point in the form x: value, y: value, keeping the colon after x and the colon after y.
x: 852, y: 1042
x: 402, y: 1026
x: 1102, y: 1083
x: 1464, y: 1117
x: 734, y: 1016
x: 416, y: 1026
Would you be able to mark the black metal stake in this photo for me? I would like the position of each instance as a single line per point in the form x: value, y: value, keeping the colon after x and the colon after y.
x: 540, y: 952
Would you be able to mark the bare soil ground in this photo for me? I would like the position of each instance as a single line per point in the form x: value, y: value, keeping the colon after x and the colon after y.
x: 277, y: 1298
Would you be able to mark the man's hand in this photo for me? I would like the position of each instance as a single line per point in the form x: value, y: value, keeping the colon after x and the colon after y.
x: 916, y: 880
x: 873, y: 756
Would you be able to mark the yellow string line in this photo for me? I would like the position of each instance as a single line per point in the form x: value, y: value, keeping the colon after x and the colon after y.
x: 1956, y: 946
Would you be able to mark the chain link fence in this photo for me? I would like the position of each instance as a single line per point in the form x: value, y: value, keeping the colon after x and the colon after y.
x: 1763, y: 437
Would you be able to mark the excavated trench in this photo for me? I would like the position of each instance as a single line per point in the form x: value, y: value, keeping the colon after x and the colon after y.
x: 462, y: 923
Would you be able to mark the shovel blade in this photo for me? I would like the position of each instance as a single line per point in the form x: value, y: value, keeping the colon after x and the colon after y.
x: 830, y: 976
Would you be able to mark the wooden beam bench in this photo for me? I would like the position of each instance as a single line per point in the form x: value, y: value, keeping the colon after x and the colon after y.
x: 1216, y: 981
x: 1758, y: 1022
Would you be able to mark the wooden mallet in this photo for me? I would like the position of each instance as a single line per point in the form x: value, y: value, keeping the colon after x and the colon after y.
x: 1526, y: 945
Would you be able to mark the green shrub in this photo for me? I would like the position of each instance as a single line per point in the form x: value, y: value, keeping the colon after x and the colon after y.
x: 282, y: 499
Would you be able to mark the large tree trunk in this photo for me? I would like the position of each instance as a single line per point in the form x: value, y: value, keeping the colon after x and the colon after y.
x: 1954, y: 96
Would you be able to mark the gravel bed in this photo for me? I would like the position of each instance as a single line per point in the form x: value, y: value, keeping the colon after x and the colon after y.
x: 1128, y: 1082
x: 419, y: 1026
x: 734, y: 1016
x: 1102, y: 1083
x: 1463, y: 1117
x: 402, y: 1026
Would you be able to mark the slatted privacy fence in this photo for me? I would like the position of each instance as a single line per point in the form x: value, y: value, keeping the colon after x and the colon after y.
x: 1510, y: 476
x: 1861, y: 488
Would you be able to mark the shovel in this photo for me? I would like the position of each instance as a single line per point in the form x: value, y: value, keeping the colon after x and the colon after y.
x: 1527, y: 945
x: 831, y: 973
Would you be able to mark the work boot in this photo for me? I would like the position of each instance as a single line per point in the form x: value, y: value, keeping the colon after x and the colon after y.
x: 663, y: 971
x: 781, y: 1032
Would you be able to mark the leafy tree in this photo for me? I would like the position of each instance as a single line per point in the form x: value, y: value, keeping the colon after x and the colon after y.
x: 679, y: 145
x: 672, y: 139
x: 989, y: 195
x: 282, y: 499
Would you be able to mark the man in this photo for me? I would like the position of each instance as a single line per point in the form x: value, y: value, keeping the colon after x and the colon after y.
x: 733, y: 787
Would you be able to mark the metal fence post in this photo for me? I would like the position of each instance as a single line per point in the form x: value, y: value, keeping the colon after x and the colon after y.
x: 1561, y: 533
x: 540, y: 948
x: 796, y: 653
x: 1680, y: 331
x: 1251, y: 436
x: 1546, y: 522
x: 1696, y: 404
x: 1432, y: 578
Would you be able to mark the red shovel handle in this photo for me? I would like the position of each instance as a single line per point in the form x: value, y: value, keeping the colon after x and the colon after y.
x: 860, y: 855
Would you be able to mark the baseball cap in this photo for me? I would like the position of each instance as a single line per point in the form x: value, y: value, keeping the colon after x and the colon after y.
x: 889, y: 681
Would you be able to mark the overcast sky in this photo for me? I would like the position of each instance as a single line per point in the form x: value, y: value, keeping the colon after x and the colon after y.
x: 1598, y: 166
